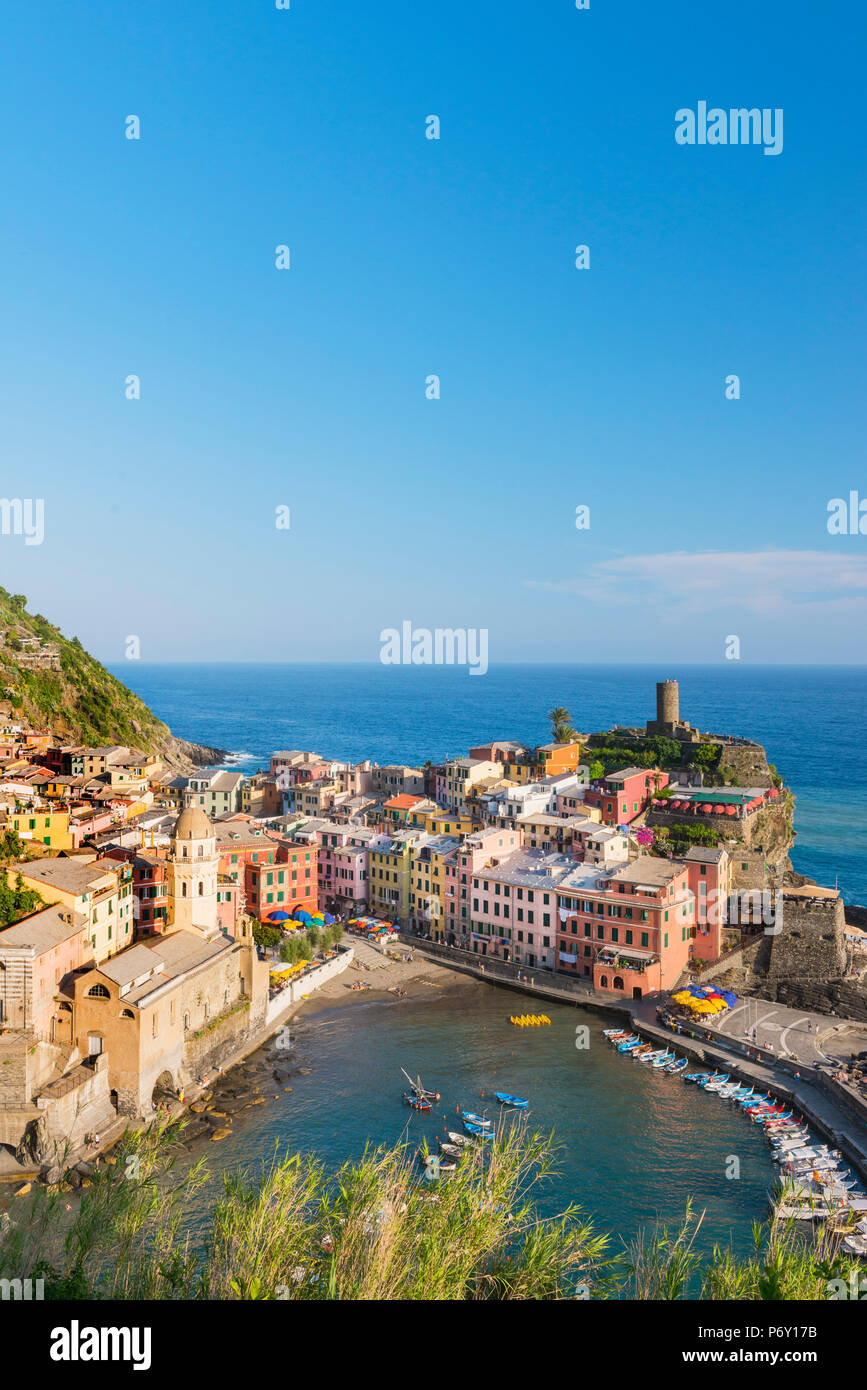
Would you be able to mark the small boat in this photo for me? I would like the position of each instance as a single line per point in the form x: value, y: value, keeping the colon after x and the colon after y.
x: 792, y: 1155
x: 789, y: 1139
x: 716, y: 1081
x: 453, y: 1150
x: 517, y: 1101
x: 677, y: 1066
x: 662, y: 1061
x: 418, y: 1090
x: 698, y: 1076
x: 613, y: 1032
x: 460, y: 1140
x: 481, y: 1120
x: 652, y: 1055
x: 416, y: 1102
x: 477, y: 1132
x: 629, y: 1044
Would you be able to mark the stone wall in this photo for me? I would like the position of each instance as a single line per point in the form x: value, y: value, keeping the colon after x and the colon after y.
x: 14, y: 1091
x: 811, y: 947
x: 314, y: 980
x: 804, y: 967
x: 745, y: 764
x: 217, y: 1043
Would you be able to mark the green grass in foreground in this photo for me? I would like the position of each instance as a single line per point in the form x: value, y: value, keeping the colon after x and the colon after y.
x: 373, y: 1230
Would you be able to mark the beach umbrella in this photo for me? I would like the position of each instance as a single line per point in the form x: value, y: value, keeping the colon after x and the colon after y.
x: 729, y: 997
x: 279, y: 916
x: 329, y: 919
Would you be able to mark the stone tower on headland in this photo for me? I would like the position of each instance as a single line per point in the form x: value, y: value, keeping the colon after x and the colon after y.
x: 667, y: 702
x: 668, y: 720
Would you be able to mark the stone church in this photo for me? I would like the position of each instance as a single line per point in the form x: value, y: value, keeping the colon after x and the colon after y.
x: 139, y: 1026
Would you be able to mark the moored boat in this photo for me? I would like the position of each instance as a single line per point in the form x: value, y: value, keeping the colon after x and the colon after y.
x: 517, y: 1102
x: 416, y: 1102
x: 477, y: 1132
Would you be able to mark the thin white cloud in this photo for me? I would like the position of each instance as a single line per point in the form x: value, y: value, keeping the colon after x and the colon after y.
x: 763, y: 581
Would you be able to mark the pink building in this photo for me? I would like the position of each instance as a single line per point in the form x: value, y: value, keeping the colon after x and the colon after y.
x: 632, y: 931
x: 230, y: 896
x: 36, y: 956
x: 342, y: 863
x: 710, y: 879
x: 514, y: 906
x: 622, y: 796
x: 476, y: 850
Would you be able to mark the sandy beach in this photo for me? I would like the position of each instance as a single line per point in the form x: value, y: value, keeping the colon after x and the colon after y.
x: 382, y: 978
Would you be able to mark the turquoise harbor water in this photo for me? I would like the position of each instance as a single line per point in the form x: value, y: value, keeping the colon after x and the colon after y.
x: 635, y: 1144
x: 810, y: 719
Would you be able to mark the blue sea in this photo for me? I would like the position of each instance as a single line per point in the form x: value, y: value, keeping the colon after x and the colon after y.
x: 812, y: 721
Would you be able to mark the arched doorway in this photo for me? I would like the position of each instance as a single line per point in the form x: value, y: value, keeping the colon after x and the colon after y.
x: 165, y: 1091
x: 618, y: 981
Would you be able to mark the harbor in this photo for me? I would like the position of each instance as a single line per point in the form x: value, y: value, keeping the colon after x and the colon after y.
x: 632, y: 1148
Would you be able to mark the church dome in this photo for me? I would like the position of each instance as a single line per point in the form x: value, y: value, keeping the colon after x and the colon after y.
x: 193, y: 824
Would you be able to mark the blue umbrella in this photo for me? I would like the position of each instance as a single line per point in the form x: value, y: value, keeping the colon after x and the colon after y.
x: 329, y: 919
x: 279, y: 917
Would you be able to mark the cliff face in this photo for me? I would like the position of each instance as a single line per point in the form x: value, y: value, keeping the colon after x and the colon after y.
x: 50, y: 681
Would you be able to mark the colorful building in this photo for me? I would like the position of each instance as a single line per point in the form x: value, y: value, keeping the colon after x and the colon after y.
x: 621, y: 796
x: 99, y: 890
x: 427, y: 894
x: 631, y: 929
x: 479, y: 848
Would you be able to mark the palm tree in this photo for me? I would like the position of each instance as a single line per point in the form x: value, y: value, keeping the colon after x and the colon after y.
x: 561, y: 725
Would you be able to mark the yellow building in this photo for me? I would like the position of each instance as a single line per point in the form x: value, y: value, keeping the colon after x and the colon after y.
x: 427, y: 892
x: 389, y: 873
x: 449, y: 823
x: 100, y: 890
x: 48, y: 827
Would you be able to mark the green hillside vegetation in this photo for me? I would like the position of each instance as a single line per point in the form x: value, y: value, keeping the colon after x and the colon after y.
x: 656, y: 751
x: 82, y: 702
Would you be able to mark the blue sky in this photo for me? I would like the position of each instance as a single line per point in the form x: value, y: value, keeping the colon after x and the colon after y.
x: 410, y: 257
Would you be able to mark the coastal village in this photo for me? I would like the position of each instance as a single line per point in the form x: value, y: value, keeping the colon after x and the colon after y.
x: 154, y: 926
